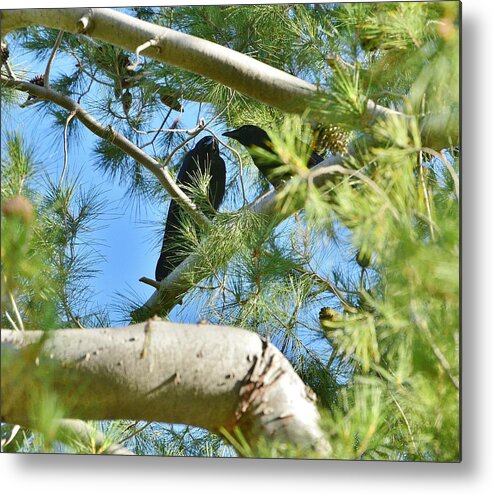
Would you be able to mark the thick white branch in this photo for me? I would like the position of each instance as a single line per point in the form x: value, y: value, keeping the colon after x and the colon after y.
x: 203, y: 57
x: 208, y: 376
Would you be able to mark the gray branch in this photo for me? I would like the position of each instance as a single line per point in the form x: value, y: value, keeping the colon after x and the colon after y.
x: 215, y: 377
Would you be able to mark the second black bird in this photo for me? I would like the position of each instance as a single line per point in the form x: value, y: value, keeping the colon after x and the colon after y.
x: 252, y: 136
x: 201, y: 160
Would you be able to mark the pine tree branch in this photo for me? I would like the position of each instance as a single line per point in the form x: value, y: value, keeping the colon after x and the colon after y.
x: 200, y: 56
x: 111, y: 135
x: 162, y: 372
x: 193, y: 269
x: 174, y: 286
x: 233, y: 69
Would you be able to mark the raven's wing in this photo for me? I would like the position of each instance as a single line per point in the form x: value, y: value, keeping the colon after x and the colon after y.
x: 217, y: 184
x: 172, y: 253
x: 170, y: 250
x: 189, y: 168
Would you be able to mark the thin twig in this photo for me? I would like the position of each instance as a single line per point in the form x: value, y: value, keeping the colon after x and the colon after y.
x: 86, y: 91
x: 336, y: 59
x: 15, y: 429
x: 332, y: 288
x: 149, y: 281
x: 333, y: 354
x: 444, y: 160
x: 193, y: 132
x: 362, y: 280
x: 440, y: 356
x: 68, y: 312
x: 427, y: 220
x: 142, y: 47
x: 10, y: 72
x: 9, y: 317
x: 29, y: 102
x: 151, y: 142
x: 423, y: 325
x: 16, y: 312
x: 408, y: 426
x: 134, y: 433
x: 201, y: 126
x: 80, y: 65
x: 65, y: 149
x: 167, y: 161
x: 190, y: 131
x: 422, y: 179
x: 198, y: 113
x: 52, y: 57
x: 425, y: 193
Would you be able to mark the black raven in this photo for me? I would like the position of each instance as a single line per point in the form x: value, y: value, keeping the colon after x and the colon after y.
x: 201, y: 160
x: 251, y: 136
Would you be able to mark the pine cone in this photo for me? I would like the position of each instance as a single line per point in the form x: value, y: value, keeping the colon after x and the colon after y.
x: 331, y: 138
x: 4, y: 53
x: 131, y: 81
x: 127, y: 101
x: 123, y: 61
x: 39, y: 80
x: 363, y: 258
x: 170, y: 100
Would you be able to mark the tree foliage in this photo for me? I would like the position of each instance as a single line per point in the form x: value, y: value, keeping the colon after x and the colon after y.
x: 359, y: 289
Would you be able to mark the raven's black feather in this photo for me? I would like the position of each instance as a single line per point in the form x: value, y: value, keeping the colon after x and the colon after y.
x: 201, y: 160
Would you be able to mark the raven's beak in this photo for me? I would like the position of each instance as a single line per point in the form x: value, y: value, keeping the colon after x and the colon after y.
x: 230, y: 133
